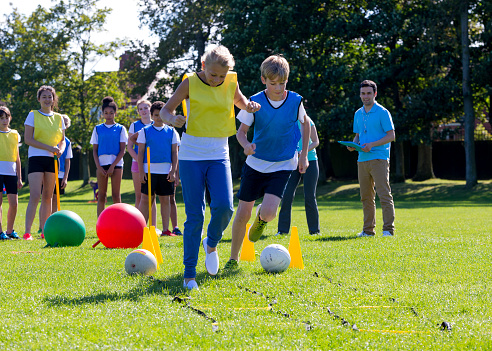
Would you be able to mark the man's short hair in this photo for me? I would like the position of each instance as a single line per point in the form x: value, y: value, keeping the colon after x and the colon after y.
x: 369, y: 83
x: 275, y: 66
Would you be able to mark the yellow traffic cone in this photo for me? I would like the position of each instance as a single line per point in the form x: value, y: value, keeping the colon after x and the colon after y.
x: 248, y: 248
x: 147, y: 243
x: 295, y: 250
x: 155, y: 243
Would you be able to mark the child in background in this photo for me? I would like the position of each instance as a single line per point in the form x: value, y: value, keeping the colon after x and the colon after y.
x: 162, y: 141
x: 143, y: 109
x: 10, y: 171
x: 109, y: 142
x: 204, y: 153
x: 272, y: 155
x: 174, y: 208
x: 45, y: 135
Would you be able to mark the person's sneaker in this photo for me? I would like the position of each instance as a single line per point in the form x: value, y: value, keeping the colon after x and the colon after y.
x: 40, y: 231
x: 13, y: 235
x: 27, y: 236
x: 190, y: 285
x: 314, y: 233
x: 211, y: 259
x: 4, y: 236
x: 387, y: 233
x: 281, y: 233
x: 158, y: 231
x: 167, y: 233
x: 364, y: 234
x: 258, y: 227
x: 177, y: 231
x: 231, y: 265
x: 41, y: 236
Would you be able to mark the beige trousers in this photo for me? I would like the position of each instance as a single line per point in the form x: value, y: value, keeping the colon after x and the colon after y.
x: 375, y: 173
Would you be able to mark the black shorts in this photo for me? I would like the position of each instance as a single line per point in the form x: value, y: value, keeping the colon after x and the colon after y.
x: 255, y: 185
x: 41, y: 164
x: 62, y: 191
x: 106, y: 167
x: 159, y: 184
x: 10, y: 182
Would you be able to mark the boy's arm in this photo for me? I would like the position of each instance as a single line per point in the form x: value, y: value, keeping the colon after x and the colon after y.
x: 242, y: 102
x: 167, y: 112
x: 306, y: 133
x: 174, y: 164
x: 242, y: 138
x: 18, y: 170
x: 140, y: 158
x: 132, y: 139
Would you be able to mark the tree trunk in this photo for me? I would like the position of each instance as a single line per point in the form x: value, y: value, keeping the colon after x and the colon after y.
x: 399, y: 176
x: 424, y: 164
x: 471, y: 169
x: 84, y: 156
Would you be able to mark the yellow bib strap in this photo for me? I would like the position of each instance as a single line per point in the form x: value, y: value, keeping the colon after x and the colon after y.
x: 48, y: 129
x: 9, y: 146
x: 211, y: 108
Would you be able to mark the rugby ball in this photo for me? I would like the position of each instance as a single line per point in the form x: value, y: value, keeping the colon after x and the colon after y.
x: 140, y: 261
x: 275, y: 258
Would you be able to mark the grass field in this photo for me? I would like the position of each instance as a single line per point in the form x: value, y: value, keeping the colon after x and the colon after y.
x: 354, y: 293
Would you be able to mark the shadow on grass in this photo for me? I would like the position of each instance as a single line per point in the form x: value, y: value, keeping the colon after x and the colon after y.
x: 335, y: 238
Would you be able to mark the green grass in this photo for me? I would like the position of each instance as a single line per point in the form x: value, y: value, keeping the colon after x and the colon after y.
x: 396, y: 291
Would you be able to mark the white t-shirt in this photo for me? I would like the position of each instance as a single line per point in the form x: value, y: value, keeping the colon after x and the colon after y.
x: 194, y: 148
x: 157, y: 168
x: 7, y: 167
x: 109, y: 159
x: 61, y: 173
x: 34, y: 151
x: 267, y: 166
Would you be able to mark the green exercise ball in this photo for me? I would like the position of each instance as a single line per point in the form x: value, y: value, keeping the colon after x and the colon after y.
x: 64, y: 228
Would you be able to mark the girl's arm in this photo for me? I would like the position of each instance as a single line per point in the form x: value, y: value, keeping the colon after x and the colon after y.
x: 242, y: 102
x: 119, y: 156
x: 18, y: 170
x: 314, y: 138
x: 140, y: 158
x: 242, y: 138
x: 29, y: 140
x: 96, y: 159
x: 167, y: 112
x: 62, y: 144
x: 303, y: 162
x: 65, y: 176
x: 130, y: 144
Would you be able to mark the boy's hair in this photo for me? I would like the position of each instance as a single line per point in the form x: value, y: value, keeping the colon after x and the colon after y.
x: 369, y: 83
x: 275, y: 66
x: 54, y: 105
x: 158, y: 105
x: 219, y: 54
x: 5, y: 111
x: 108, y: 101
x: 143, y: 101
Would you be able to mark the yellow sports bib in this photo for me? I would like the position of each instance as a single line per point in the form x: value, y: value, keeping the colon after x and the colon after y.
x: 211, y: 108
x: 48, y: 129
x: 8, y: 146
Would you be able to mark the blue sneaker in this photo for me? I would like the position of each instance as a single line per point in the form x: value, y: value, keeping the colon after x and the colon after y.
x: 4, y: 236
x: 13, y: 235
x: 176, y: 231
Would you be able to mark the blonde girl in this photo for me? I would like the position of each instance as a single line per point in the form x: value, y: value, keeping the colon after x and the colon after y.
x: 45, y: 135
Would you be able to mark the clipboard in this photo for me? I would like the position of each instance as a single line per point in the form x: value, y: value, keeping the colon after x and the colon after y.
x: 351, y: 144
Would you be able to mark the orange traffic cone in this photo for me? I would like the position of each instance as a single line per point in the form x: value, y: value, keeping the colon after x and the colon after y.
x: 148, y: 245
x: 248, y: 248
x: 155, y: 243
x: 295, y: 250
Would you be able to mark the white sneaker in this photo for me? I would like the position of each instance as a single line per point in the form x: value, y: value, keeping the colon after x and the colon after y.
x: 158, y: 231
x: 387, y: 233
x: 211, y: 259
x: 191, y: 285
x: 363, y: 234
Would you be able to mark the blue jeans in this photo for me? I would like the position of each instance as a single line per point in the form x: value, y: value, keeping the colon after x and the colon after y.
x: 216, y: 174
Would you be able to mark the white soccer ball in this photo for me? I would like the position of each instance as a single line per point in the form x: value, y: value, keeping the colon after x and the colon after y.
x: 275, y: 258
x: 140, y: 261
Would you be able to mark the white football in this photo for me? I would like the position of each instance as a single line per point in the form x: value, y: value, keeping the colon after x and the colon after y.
x: 140, y: 261
x: 275, y: 258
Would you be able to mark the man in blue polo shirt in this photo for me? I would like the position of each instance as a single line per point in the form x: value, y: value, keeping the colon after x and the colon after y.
x: 374, y: 131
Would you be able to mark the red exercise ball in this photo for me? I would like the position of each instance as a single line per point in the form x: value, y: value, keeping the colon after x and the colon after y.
x: 120, y: 226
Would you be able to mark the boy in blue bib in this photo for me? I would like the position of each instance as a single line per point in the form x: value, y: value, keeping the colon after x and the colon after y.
x: 272, y: 155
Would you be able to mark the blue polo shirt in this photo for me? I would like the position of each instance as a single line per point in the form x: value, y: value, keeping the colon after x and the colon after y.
x: 372, y: 126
